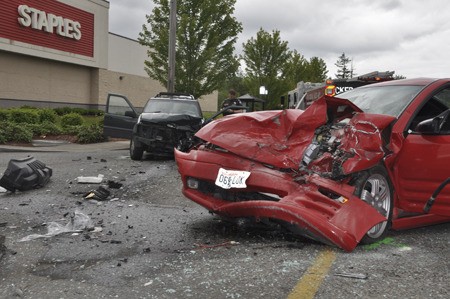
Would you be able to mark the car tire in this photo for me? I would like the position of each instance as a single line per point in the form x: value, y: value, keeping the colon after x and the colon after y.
x: 136, y: 150
x: 375, y: 188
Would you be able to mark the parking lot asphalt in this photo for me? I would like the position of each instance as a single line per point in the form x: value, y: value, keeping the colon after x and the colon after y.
x: 54, y: 146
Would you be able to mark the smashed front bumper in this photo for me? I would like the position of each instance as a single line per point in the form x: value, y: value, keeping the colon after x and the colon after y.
x: 318, y: 208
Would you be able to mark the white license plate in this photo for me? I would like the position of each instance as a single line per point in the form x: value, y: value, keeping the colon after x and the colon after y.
x: 228, y: 179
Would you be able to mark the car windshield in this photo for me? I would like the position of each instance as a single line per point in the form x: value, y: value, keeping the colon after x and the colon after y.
x: 173, y: 107
x: 389, y: 100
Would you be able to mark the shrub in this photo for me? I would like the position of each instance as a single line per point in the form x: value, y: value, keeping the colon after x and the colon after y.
x: 3, y: 132
x: 46, y: 128
x: 79, y: 111
x: 82, y: 111
x: 28, y: 116
x: 91, y: 134
x: 15, y: 132
x: 28, y: 107
x: 72, y: 130
x: 47, y: 115
x: 62, y: 110
x: 71, y: 120
x: 95, y: 112
x: 4, y: 115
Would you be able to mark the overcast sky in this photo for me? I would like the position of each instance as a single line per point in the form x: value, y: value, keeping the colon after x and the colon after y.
x: 410, y: 37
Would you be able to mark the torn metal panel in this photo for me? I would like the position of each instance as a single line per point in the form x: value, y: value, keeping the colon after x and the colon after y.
x: 283, y: 138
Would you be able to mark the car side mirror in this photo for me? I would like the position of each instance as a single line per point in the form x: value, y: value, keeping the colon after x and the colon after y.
x: 434, y: 125
x: 130, y: 113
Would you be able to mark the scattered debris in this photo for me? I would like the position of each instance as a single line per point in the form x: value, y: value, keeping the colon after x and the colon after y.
x: 90, y: 179
x: 224, y: 244
x: 78, y: 222
x: 114, y: 185
x: 2, y: 245
x: 352, y: 275
x: 25, y: 174
x: 100, y: 193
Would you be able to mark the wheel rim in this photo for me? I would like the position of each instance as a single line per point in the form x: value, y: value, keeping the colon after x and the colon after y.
x: 376, y: 192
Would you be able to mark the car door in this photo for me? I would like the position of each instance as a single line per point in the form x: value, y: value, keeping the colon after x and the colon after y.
x: 120, y: 117
x: 423, y: 162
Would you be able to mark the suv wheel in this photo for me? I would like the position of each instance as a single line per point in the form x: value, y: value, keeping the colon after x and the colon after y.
x: 136, y: 149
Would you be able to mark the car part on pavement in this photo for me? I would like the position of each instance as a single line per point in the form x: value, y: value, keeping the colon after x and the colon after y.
x: 25, y: 174
x: 100, y: 193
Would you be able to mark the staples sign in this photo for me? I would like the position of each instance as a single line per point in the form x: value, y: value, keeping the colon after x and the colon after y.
x: 40, y: 20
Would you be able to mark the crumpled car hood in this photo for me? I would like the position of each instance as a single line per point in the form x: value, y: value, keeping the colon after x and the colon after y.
x: 279, y: 138
x: 166, y: 118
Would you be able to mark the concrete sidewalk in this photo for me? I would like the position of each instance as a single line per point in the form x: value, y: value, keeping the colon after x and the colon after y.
x: 53, y: 146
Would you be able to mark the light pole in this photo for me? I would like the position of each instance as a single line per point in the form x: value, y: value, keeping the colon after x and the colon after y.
x: 263, y: 91
x: 172, y: 45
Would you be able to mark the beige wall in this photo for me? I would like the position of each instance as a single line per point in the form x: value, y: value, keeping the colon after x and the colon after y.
x: 137, y: 89
x: 209, y: 102
x: 126, y: 55
x: 51, y: 83
x: 34, y: 79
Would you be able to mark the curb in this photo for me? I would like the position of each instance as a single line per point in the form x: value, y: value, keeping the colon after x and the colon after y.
x: 67, y: 147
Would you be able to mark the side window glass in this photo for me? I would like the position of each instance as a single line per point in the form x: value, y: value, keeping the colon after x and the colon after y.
x: 444, y: 97
x: 437, y: 104
x: 118, y: 105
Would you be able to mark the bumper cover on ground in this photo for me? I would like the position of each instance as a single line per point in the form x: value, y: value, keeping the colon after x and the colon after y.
x: 25, y: 174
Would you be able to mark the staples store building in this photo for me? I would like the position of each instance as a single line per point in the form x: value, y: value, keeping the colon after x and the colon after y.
x: 60, y: 53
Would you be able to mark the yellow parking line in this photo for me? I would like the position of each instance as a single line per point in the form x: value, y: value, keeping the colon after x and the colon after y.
x: 310, y: 282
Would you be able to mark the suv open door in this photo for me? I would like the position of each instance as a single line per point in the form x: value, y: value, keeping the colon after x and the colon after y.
x: 120, y: 117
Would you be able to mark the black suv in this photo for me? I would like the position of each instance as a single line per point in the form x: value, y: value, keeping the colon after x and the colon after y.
x: 168, y: 120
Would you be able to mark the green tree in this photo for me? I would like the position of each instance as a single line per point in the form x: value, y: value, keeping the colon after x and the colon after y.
x: 316, y: 70
x: 345, y: 67
x: 206, y: 36
x: 266, y: 60
x: 296, y: 68
x: 299, y: 69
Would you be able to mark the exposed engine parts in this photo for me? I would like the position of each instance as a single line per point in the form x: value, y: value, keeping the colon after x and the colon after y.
x: 323, y: 155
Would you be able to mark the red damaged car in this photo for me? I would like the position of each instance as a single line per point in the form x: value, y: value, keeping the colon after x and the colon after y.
x: 343, y: 171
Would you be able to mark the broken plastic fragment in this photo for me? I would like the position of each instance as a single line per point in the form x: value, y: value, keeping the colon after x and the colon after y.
x: 25, y: 174
x: 99, y: 194
x: 78, y: 222
x: 90, y: 179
